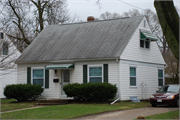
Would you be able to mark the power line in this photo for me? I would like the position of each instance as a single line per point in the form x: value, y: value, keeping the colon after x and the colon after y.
x: 131, y: 5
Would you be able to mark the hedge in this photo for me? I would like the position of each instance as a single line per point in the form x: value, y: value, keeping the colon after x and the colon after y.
x: 23, y: 92
x: 91, y: 91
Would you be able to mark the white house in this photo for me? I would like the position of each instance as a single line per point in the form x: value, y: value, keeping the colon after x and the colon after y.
x: 119, y: 51
x: 8, y: 69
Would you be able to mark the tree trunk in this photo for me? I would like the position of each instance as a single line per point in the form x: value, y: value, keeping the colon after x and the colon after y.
x: 169, y: 21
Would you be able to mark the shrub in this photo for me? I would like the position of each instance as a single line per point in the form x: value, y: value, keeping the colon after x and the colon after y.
x: 91, y: 91
x: 23, y: 92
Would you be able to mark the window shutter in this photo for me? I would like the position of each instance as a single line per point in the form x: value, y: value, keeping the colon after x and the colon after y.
x: 28, y: 75
x: 46, y: 78
x: 84, y: 73
x: 105, y: 72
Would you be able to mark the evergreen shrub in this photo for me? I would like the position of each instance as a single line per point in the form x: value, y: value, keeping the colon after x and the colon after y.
x: 91, y: 91
x: 23, y: 92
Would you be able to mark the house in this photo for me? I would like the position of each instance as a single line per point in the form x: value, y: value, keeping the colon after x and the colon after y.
x: 8, y: 69
x: 118, y: 51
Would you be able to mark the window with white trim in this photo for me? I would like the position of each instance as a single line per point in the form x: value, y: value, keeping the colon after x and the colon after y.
x: 145, y: 43
x: 38, y: 77
x: 132, y: 76
x: 160, y: 78
x: 95, y: 74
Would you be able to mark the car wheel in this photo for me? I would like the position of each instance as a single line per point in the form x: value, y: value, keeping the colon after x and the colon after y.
x: 153, y: 105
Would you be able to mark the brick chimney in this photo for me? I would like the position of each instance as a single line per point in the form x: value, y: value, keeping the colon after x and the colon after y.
x: 90, y: 18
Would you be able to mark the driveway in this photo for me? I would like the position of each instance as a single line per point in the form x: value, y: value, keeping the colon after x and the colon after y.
x: 130, y: 114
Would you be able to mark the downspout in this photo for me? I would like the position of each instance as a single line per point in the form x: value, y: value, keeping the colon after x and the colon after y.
x: 118, y: 83
x: 164, y: 73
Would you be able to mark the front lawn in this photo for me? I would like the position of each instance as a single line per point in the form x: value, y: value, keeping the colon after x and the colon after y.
x: 168, y: 115
x: 11, y: 104
x: 70, y: 111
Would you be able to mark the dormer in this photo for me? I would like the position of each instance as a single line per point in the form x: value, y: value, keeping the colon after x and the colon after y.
x: 146, y: 37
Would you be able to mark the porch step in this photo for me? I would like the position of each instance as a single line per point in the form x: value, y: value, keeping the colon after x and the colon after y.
x: 54, y: 101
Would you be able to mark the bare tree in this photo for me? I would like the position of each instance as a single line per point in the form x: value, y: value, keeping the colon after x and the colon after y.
x: 49, y: 12
x: 15, y: 17
x: 108, y: 15
x: 23, y: 20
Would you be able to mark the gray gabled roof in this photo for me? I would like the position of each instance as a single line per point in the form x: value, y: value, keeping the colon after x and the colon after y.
x: 104, y: 39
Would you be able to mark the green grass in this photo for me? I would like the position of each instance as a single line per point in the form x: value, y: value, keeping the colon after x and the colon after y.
x: 11, y: 104
x: 168, y: 115
x: 70, y: 111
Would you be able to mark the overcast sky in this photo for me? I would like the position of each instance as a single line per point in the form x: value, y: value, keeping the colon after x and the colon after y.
x: 84, y: 8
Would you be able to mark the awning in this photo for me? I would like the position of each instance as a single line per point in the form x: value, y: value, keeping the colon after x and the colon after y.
x: 60, y: 66
x: 149, y: 35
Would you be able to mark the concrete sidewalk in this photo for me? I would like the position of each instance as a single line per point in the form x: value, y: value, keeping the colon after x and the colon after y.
x: 21, y: 109
x: 130, y: 114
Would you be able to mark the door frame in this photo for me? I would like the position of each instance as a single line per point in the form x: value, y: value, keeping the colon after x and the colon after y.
x: 61, y: 82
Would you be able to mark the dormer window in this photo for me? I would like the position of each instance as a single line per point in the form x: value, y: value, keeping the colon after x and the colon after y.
x: 5, y: 48
x: 1, y: 35
x: 146, y: 37
x: 145, y: 43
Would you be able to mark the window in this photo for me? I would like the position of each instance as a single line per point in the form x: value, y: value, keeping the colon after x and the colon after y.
x: 95, y: 74
x: 2, y: 35
x: 38, y: 77
x: 132, y: 76
x: 160, y: 77
x: 5, y: 48
x: 145, y: 43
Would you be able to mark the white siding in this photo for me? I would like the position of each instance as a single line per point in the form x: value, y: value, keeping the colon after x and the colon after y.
x: 8, y: 69
x: 135, y: 53
x: 54, y: 90
x: 77, y: 73
x: 7, y: 77
x: 113, y: 73
x: 148, y: 74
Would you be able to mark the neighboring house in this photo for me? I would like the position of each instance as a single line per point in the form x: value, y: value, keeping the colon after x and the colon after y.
x: 8, y: 69
x: 118, y: 51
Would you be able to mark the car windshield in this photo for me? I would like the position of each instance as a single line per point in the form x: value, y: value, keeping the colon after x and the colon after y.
x: 169, y: 89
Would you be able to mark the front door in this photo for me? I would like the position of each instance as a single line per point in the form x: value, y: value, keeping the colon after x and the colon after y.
x: 65, y: 80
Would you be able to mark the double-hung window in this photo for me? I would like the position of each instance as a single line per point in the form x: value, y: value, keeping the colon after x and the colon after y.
x: 160, y: 77
x: 132, y: 76
x: 95, y: 74
x: 38, y: 77
x: 145, y: 43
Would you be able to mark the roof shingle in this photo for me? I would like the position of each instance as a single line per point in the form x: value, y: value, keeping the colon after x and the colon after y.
x: 79, y: 41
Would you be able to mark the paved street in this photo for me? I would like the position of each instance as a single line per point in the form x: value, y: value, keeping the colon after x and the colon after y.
x: 130, y: 114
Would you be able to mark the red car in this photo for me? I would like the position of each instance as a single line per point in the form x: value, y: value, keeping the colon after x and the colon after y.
x: 167, y: 95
